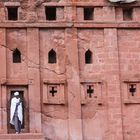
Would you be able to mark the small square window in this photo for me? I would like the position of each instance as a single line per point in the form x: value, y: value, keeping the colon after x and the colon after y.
x: 88, y: 13
x: 127, y: 14
x: 50, y: 13
x: 12, y: 13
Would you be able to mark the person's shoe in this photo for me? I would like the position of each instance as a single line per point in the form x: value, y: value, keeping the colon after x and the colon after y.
x: 17, y: 133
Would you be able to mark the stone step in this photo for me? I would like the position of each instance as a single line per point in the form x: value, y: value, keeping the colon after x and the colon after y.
x: 23, y: 136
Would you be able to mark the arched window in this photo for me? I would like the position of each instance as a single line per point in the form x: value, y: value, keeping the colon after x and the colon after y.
x: 88, y: 57
x: 52, y: 56
x: 16, y: 56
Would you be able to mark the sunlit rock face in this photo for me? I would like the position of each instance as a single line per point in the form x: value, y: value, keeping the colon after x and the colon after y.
x: 76, y: 66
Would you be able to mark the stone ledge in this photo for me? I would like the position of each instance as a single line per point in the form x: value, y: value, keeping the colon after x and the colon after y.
x: 131, y: 101
x: 11, y: 4
x: 65, y: 24
x: 82, y: 81
x: 56, y: 81
x: 25, y: 136
x: 132, y: 81
x: 71, y: 4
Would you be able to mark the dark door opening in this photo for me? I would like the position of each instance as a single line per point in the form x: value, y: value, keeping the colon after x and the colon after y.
x: 22, y: 95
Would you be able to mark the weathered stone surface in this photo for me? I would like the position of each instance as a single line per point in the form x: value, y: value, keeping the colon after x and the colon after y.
x: 71, y: 99
x: 30, y: 136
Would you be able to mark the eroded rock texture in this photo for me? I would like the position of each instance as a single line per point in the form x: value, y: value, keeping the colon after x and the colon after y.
x: 77, y: 70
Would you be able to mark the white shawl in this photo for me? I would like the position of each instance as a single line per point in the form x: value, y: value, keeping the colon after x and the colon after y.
x: 14, y: 101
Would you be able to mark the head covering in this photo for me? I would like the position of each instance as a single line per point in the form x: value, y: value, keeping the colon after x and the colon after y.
x: 16, y: 93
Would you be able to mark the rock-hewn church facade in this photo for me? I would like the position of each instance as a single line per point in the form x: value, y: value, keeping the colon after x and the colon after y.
x: 76, y: 65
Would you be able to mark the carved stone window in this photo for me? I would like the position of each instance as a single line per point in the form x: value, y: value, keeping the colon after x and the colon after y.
x: 53, y: 92
x: 131, y: 91
x: 88, y: 13
x: 92, y: 91
x: 54, y: 12
x: 16, y: 56
x: 52, y: 56
x: 128, y: 14
x: 12, y: 13
x: 88, y: 57
x: 50, y: 12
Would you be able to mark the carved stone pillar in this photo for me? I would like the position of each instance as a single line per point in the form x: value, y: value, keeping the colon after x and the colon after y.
x: 34, y: 80
x: 73, y: 86
x: 3, y: 103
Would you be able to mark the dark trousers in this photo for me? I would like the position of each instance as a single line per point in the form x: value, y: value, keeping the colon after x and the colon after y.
x: 17, y: 124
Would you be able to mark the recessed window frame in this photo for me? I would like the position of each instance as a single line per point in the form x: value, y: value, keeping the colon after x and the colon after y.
x: 88, y: 13
x: 16, y: 56
x: 52, y: 10
x: 9, y: 17
x: 127, y: 14
x: 52, y: 57
x: 88, y: 57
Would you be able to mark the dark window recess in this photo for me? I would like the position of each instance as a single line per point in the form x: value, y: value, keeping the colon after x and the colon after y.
x: 12, y: 13
x: 88, y: 57
x: 53, y: 91
x: 88, y: 13
x: 50, y: 13
x: 16, y: 56
x: 132, y: 89
x: 52, y: 56
x: 128, y: 14
x: 90, y: 90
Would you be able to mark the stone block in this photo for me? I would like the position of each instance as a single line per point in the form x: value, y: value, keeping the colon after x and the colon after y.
x: 131, y: 91
x: 91, y: 91
x: 54, y: 92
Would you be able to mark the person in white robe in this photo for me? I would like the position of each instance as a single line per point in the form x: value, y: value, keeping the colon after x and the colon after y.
x: 16, y: 112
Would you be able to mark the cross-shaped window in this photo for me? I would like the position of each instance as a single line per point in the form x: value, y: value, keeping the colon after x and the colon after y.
x: 53, y: 90
x: 90, y: 90
x: 132, y: 89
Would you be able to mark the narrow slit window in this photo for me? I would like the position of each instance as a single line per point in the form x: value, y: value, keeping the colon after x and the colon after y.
x: 50, y: 13
x: 12, y: 13
x: 128, y: 14
x: 16, y: 56
x: 88, y: 13
x: 88, y: 57
x: 52, y: 56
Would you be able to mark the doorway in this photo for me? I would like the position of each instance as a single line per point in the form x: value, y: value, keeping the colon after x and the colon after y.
x: 24, y: 98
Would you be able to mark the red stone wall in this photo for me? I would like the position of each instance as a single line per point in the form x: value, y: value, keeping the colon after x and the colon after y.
x: 92, y: 39
x: 54, y: 117
x: 92, y: 113
x: 52, y: 39
x: 16, y: 38
x: 111, y: 112
x: 128, y: 43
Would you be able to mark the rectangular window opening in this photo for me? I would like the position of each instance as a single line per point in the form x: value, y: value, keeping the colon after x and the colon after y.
x: 50, y: 13
x: 128, y: 14
x: 12, y: 13
x: 88, y: 13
